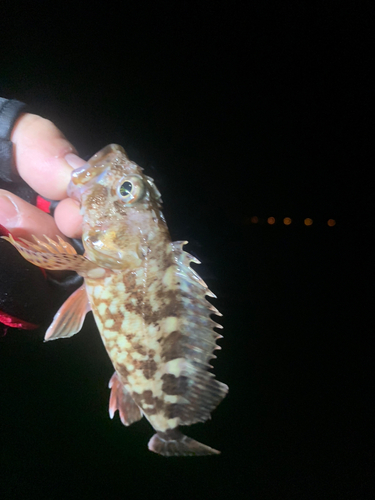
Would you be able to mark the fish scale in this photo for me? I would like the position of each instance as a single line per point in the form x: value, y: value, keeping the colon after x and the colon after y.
x: 149, y: 305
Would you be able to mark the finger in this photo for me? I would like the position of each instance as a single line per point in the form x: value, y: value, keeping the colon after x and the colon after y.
x: 68, y: 218
x: 40, y: 150
x: 23, y: 219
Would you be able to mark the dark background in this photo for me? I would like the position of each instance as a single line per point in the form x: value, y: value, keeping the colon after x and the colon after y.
x: 236, y: 111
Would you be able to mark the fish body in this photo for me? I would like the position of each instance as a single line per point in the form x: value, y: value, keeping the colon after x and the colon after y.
x: 148, y: 303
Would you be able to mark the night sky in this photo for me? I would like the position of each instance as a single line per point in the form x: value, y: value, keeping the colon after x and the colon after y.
x: 236, y: 112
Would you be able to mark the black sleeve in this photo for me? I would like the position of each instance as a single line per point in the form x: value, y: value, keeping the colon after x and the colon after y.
x: 10, y: 110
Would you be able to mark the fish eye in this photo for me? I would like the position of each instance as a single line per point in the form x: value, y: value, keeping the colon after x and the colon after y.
x: 131, y: 190
x: 125, y: 188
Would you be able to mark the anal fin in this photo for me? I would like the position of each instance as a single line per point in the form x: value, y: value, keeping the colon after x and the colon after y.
x: 122, y: 401
x: 70, y: 317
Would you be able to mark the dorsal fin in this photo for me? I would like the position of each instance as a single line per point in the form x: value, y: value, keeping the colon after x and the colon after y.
x: 196, y: 341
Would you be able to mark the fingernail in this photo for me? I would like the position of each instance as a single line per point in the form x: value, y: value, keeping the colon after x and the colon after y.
x: 8, y: 212
x: 74, y: 161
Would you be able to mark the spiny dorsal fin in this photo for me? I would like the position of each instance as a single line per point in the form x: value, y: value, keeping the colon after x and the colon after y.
x: 197, y: 342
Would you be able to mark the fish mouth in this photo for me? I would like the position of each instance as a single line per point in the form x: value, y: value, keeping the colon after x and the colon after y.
x: 73, y: 191
x: 81, y: 179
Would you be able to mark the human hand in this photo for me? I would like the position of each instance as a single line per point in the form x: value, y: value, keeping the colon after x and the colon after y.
x: 44, y: 159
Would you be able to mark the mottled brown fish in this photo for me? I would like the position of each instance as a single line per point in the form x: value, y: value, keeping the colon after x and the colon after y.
x: 148, y: 303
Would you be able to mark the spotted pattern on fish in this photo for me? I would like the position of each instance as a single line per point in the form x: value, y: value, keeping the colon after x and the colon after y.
x: 147, y: 336
x: 149, y: 305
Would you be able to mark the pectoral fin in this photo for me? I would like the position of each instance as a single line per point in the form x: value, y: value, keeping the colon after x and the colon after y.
x: 53, y: 255
x: 122, y: 401
x: 70, y: 317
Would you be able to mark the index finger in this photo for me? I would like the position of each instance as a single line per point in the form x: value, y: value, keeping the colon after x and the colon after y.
x: 39, y: 152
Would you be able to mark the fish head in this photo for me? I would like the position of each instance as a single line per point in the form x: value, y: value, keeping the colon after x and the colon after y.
x: 121, y: 209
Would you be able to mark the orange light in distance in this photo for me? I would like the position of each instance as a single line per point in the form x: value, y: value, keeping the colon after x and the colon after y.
x: 254, y: 219
x: 287, y: 221
x: 308, y: 222
x: 271, y: 220
x: 331, y: 222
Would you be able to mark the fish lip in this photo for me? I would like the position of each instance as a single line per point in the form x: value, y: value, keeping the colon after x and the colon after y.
x: 73, y: 190
x: 76, y: 186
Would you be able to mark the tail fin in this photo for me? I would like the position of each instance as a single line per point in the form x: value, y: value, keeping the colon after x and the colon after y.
x: 177, y: 444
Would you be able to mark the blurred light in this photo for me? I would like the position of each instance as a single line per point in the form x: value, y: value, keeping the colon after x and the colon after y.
x: 331, y: 222
x: 308, y: 222
x: 254, y: 219
x: 287, y: 221
x: 271, y: 220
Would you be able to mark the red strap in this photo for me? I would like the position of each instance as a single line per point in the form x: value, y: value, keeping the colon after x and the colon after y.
x: 14, y: 322
x: 43, y: 204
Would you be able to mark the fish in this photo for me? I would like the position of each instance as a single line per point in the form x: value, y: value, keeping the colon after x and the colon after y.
x: 149, y: 305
